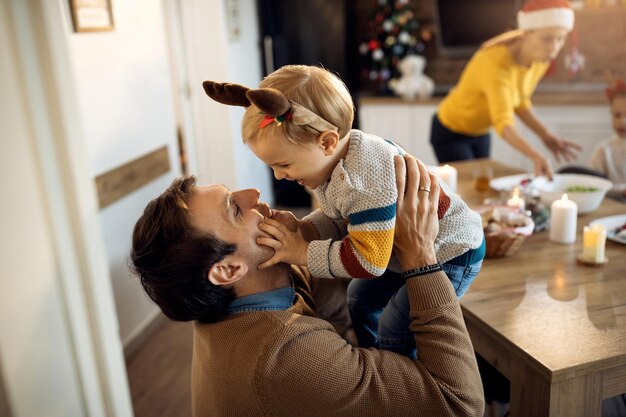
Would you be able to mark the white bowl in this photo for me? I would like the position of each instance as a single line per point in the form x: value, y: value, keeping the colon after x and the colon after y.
x: 587, y: 201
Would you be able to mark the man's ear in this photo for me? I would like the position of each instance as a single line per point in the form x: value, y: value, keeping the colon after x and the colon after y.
x: 227, y: 271
x: 328, y: 140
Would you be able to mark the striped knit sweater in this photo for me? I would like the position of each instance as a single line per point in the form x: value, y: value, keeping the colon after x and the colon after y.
x: 357, y: 215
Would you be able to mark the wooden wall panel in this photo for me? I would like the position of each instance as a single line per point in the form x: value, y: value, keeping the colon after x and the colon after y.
x: 121, y: 181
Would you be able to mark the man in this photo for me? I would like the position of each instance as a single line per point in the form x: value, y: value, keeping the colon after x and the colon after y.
x: 259, y: 350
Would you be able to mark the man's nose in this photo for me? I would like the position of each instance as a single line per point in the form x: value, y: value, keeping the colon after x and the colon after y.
x: 251, y: 197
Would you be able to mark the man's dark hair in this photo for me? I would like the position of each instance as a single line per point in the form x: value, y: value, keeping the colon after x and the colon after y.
x: 172, y: 258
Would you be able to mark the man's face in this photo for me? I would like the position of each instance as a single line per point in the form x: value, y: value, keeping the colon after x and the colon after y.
x: 233, y: 217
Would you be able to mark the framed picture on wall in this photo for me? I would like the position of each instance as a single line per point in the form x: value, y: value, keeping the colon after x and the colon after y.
x: 91, y: 15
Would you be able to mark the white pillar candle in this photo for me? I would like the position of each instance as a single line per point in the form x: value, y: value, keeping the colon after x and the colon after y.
x: 516, y: 201
x: 448, y: 174
x: 594, y: 239
x: 563, y: 214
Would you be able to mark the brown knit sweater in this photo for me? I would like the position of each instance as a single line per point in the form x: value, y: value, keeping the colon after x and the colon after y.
x: 292, y: 364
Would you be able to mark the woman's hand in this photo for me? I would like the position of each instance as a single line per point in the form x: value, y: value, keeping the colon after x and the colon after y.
x: 542, y: 166
x: 515, y: 139
x: 417, y: 224
x: 561, y: 148
x: 288, y: 245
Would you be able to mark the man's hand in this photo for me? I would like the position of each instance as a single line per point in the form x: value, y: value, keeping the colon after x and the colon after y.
x: 417, y: 224
x: 288, y: 245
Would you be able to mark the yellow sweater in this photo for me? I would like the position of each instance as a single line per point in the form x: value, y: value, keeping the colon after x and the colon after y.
x: 290, y: 363
x: 491, y: 89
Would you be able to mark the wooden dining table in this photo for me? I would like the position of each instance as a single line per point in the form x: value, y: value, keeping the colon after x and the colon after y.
x: 554, y: 327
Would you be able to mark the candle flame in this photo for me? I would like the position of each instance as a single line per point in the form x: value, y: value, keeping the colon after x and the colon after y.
x: 564, y: 197
x: 560, y: 280
x: 597, y: 228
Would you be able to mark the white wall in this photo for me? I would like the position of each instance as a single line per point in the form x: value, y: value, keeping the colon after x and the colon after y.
x: 123, y: 83
x: 211, y: 55
x: 124, y: 86
x: 244, y: 67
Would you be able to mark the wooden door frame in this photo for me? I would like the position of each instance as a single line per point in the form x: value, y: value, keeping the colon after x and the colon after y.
x: 39, y: 36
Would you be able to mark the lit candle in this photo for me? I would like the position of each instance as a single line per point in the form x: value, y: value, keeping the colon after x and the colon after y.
x: 563, y: 220
x: 516, y: 201
x: 594, y: 239
x: 448, y: 174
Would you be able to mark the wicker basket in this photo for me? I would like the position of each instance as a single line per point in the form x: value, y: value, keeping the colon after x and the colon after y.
x: 504, y: 243
x: 507, y: 241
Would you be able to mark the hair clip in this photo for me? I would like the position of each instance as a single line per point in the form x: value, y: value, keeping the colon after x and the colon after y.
x: 268, y: 120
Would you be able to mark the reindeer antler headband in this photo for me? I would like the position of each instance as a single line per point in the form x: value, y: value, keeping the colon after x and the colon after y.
x: 273, y: 104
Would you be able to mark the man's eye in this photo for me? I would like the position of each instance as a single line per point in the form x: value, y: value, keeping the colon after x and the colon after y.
x: 283, y: 166
x: 237, y: 210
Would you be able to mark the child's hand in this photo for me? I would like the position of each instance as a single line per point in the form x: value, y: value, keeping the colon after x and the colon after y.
x: 286, y: 218
x: 303, y: 227
x: 288, y: 245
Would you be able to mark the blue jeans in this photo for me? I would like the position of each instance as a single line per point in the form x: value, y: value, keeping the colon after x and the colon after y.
x: 379, y: 307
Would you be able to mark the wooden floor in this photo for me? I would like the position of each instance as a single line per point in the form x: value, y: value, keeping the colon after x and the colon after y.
x: 159, y: 373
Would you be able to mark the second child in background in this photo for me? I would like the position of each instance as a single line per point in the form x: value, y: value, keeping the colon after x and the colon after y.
x: 609, y: 156
x: 299, y: 123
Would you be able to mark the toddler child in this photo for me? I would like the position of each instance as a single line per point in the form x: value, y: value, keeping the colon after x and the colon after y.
x: 609, y: 156
x: 299, y: 123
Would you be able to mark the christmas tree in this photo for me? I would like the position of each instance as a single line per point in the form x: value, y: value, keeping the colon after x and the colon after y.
x: 394, y: 32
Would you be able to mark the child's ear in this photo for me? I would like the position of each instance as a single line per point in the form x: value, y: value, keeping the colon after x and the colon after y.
x: 328, y: 140
x: 227, y: 271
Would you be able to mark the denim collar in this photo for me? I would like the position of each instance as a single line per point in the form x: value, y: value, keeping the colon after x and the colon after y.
x: 279, y: 299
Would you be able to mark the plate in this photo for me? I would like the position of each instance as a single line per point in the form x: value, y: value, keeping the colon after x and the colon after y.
x: 509, y: 182
x: 611, y: 223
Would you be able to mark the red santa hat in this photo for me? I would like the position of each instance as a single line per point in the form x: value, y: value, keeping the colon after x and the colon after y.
x: 543, y: 14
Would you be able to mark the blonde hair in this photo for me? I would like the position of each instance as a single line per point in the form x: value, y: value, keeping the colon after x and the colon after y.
x: 315, y: 88
x: 505, y: 38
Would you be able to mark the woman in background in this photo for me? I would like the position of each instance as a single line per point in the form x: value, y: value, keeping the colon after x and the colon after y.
x: 497, y: 84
